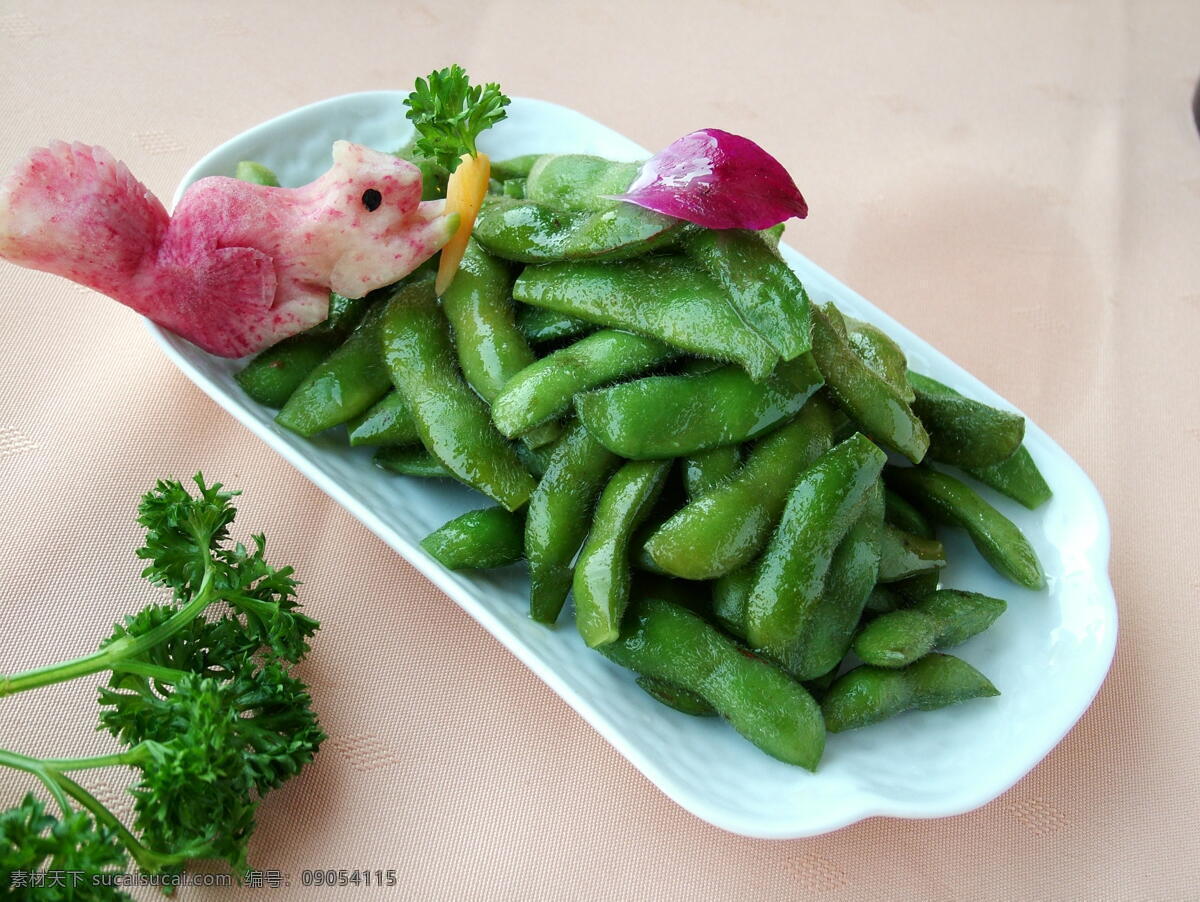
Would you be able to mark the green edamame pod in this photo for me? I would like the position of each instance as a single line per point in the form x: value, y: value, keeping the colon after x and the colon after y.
x: 729, y: 525
x: 529, y: 232
x: 823, y: 504
x: 910, y: 591
x: 539, y: 325
x: 882, y: 600
x: 433, y: 174
x: 255, y: 174
x: 673, y: 696
x: 904, y: 516
x: 559, y: 517
x: 869, y: 400
x: 760, y: 286
x: 773, y: 235
x: 453, y: 422
x: 942, y: 620
x: 272, y: 376
x: 1018, y: 478
x: 764, y: 704
x: 668, y: 416
x: 578, y: 182
x: 705, y: 469
x: 668, y: 298
x: 342, y: 386
x: 491, y: 349
x: 514, y: 167
x: 867, y: 695
x: 545, y: 389
x: 387, y: 422
x: 905, y: 555
x: 275, y: 374
x: 963, y: 432
x: 997, y: 538
x: 730, y: 594
x: 831, y: 622
x: 411, y: 460
x: 602, y: 573
x: 536, y: 459
x: 479, y: 539
x: 877, y: 350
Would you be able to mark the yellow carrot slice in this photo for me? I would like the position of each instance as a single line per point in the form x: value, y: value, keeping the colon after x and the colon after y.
x: 465, y: 191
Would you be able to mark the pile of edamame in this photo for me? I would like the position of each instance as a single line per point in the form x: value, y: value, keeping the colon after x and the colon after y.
x: 736, y: 486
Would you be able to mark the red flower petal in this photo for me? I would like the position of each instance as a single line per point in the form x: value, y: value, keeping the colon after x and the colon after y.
x: 717, y: 180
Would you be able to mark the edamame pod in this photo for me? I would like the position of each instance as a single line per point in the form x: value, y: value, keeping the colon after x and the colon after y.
x: 869, y: 400
x: 387, y: 422
x: 762, y: 288
x: 830, y: 625
x: 668, y: 416
x: 491, y: 349
x: 514, y: 167
x: 705, y: 469
x: 559, y: 516
x: 539, y: 325
x: 602, y: 579
x: 910, y: 591
x: 681, y: 700
x: 729, y: 525
x: 963, y: 432
x: 489, y: 537
x: 942, y: 620
x: 529, y: 232
x: 411, y: 460
x: 867, y: 695
x: 342, y: 386
x: 764, y: 704
x: 453, y: 422
x: 904, y: 555
x: 668, y: 298
x: 998, y: 539
x: 729, y: 596
x: 545, y: 389
x: 1018, y: 478
x: 275, y: 374
x: 433, y: 174
x: 823, y: 504
x: 903, y: 515
x: 882, y: 600
x: 578, y: 182
x: 255, y: 174
x: 877, y: 350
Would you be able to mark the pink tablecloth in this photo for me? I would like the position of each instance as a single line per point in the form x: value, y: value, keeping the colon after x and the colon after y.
x: 1018, y: 182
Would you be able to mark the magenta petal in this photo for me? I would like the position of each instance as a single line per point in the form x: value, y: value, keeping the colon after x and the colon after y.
x: 717, y: 180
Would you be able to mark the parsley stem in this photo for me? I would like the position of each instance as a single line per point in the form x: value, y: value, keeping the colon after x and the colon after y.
x: 34, y: 766
x: 108, y: 656
x: 147, y: 859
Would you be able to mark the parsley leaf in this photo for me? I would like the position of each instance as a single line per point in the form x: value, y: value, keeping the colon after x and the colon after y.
x: 449, y: 113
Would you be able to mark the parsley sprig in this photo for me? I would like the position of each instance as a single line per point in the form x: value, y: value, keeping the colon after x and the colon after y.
x: 449, y: 113
x: 202, y: 700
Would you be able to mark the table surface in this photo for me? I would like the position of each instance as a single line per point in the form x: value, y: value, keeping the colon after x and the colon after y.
x: 1019, y: 183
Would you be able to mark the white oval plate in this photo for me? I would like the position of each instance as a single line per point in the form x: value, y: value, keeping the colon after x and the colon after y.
x: 1048, y: 654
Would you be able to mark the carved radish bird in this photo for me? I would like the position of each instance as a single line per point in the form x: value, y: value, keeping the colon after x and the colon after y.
x: 237, y: 267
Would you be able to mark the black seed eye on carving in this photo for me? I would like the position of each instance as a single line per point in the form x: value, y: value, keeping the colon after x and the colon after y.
x: 372, y: 199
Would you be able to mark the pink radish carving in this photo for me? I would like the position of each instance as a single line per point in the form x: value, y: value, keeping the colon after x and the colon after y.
x: 237, y: 267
